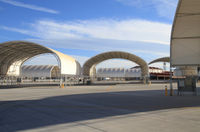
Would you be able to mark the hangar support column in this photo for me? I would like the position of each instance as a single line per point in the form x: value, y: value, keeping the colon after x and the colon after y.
x: 93, y: 72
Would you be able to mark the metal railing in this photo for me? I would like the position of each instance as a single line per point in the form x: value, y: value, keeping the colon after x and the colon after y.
x: 66, y: 80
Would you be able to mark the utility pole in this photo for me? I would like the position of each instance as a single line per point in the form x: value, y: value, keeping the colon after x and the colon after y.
x: 164, y: 66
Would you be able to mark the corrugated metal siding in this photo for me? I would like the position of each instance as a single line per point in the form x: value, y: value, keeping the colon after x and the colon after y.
x: 38, y: 70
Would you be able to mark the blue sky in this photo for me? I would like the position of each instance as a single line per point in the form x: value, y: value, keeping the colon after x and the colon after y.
x: 84, y: 28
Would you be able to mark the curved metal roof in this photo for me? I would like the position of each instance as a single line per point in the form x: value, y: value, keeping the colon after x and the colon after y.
x: 37, y: 70
x: 14, y: 53
x: 185, y: 37
x: 114, y: 54
x: 33, y: 68
x: 163, y: 59
x: 118, y: 72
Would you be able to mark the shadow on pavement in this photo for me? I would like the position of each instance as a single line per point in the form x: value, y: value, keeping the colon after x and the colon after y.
x: 30, y: 114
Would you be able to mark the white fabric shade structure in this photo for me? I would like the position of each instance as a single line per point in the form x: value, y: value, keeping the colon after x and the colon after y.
x: 92, y: 62
x: 185, y: 37
x: 163, y: 59
x: 14, y: 53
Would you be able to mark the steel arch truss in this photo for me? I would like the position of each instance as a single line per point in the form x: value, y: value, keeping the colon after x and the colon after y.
x: 91, y: 63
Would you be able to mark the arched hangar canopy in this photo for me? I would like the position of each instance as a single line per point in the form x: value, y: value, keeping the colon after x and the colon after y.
x: 185, y: 37
x: 115, y: 54
x: 163, y: 59
x: 40, y: 71
x: 14, y: 53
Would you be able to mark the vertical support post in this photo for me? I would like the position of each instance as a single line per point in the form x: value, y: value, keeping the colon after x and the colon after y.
x: 145, y: 80
x: 166, y: 92
x: 61, y: 80
x: 171, y: 86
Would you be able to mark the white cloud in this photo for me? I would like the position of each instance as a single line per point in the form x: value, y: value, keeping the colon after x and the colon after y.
x: 22, y: 31
x: 165, y: 8
x: 129, y: 30
x: 103, y: 45
x: 146, y: 39
x: 28, y: 6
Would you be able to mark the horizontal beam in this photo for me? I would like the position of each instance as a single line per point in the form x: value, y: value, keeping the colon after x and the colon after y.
x: 187, y: 14
x: 192, y: 37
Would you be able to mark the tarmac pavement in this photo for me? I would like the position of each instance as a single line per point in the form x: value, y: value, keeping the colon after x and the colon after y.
x: 107, y: 108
